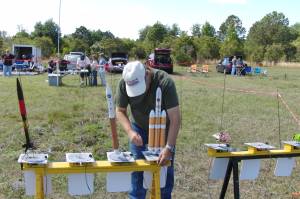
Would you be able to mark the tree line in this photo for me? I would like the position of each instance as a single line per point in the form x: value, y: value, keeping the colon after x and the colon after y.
x: 270, y: 39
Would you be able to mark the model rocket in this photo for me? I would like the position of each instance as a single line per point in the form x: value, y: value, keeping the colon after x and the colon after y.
x: 112, y: 118
x: 28, y: 144
x: 157, y: 125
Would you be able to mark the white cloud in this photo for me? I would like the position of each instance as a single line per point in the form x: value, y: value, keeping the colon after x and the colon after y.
x: 229, y: 1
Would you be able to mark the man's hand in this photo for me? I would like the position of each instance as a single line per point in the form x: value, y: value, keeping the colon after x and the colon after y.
x: 164, y: 155
x: 135, y: 138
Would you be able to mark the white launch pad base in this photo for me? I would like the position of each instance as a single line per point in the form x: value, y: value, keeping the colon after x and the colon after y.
x: 151, y: 155
x: 80, y: 184
x: 147, y: 182
x: 33, y: 158
x: 30, y: 179
x: 119, y: 157
x: 118, y: 181
x: 79, y: 158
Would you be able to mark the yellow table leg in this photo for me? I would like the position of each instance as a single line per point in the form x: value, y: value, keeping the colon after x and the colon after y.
x: 39, y: 186
x: 155, y: 193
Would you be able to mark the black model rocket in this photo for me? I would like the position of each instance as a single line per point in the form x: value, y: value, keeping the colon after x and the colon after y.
x: 28, y: 144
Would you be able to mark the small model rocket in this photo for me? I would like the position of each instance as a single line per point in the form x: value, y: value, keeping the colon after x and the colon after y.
x: 115, y: 155
x: 22, y: 107
x: 157, y: 125
x: 112, y: 118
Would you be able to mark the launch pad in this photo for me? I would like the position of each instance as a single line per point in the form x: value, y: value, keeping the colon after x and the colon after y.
x: 33, y: 158
x: 119, y: 156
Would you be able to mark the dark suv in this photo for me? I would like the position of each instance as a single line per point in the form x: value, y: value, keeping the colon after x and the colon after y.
x: 226, y: 63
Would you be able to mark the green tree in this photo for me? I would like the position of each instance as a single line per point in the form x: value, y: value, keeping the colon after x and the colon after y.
x: 22, y: 33
x: 254, y: 52
x: 232, y: 45
x: 207, y: 48
x: 174, y: 30
x: 274, y: 53
x: 296, y: 43
x: 156, y: 34
x: 138, y: 51
x: 74, y: 44
x: 1, y: 45
x: 184, y: 49
x: 82, y: 33
x: 271, y: 29
x: 46, y: 45
x: 48, y: 29
x: 232, y: 21
x: 196, y: 30
x: 208, y: 30
x: 143, y: 33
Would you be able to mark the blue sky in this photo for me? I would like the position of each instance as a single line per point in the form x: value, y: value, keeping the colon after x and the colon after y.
x: 124, y: 18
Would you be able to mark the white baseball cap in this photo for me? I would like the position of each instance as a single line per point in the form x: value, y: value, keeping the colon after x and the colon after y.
x: 134, y: 77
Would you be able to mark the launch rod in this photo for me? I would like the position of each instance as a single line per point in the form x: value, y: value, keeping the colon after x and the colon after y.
x: 23, y: 113
x: 112, y: 118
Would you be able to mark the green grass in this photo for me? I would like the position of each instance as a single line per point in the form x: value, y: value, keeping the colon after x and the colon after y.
x: 73, y: 119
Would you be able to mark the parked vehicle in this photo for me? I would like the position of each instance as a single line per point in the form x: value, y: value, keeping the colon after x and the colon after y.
x: 226, y: 63
x: 27, y: 57
x: 117, y: 62
x: 71, y: 59
x: 161, y: 59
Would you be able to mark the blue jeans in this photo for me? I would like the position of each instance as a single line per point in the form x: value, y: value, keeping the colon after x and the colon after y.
x: 7, y: 70
x: 138, y: 191
x: 102, y: 77
x: 233, y: 69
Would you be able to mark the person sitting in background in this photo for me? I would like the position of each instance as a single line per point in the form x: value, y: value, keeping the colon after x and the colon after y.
x: 51, y: 66
x: 83, y: 64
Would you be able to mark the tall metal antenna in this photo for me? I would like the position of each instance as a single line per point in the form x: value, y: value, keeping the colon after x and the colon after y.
x: 223, y: 99
x: 58, y: 37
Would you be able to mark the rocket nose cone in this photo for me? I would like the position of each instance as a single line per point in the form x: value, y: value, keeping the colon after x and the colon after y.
x: 158, y: 91
x: 19, y: 90
x: 152, y: 113
x: 163, y: 113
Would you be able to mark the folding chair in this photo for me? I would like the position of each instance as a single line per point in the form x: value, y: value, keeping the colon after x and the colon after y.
x: 193, y: 68
x: 204, y: 69
x: 257, y: 70
x: 248, y: 70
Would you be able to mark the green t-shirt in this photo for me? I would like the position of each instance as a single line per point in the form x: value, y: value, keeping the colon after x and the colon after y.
x: 141, y: 106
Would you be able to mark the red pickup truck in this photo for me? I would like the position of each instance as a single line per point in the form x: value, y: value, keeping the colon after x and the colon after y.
x: 161, y: 59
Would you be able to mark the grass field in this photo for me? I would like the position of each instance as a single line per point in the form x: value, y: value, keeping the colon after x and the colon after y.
x: 73, y: 119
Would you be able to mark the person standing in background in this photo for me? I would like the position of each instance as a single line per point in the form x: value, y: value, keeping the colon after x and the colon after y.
x: 83, y: 64
x: 94, y: 68
x: 8, y: 60
x: 233, y: 68
x: 101, y: 69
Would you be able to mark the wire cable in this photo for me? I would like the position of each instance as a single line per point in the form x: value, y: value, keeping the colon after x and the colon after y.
x: 278, y: 116
x: 86, y: 181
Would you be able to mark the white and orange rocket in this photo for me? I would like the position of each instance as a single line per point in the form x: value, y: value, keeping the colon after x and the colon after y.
x: 157, y: 125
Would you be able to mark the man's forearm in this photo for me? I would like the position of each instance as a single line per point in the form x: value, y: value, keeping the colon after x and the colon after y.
x: 174, y: 117
x: 123, y: 119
